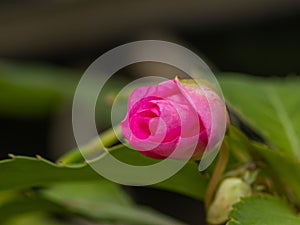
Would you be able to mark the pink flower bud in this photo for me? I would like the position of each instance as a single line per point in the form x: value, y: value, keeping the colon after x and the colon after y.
x: 174, y: 115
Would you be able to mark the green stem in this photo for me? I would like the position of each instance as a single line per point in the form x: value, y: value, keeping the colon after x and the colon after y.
x: 108, y: 138
x: 217, y: 174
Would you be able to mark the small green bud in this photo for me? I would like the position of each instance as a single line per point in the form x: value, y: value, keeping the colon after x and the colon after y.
x: 230, y: 191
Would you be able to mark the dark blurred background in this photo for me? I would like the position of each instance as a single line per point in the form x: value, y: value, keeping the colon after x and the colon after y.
x: 257, y: 37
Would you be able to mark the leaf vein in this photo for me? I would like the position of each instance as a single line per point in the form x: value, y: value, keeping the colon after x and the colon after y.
x: 284, y: 119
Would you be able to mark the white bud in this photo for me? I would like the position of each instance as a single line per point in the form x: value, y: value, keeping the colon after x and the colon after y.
x: 230, y: 191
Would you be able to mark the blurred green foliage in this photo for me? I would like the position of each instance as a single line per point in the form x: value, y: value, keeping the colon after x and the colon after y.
x: 35, y: 189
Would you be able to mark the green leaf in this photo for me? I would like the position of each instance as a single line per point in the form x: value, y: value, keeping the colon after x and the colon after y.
x: 24, y: 205
x: 22, y: 172
x: 34, y: 89
x: 284, y: 167
x: 269, y: 106
x: 188, y: 181
x: 97, y: 200
x: 39, y: 76
x: 238, y: 146
x: 277, y: 164
x: 32, y: 218
x: 262, y: 210
x: 105, y: 201
x: 37, y: 90
x: 88, y: 192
